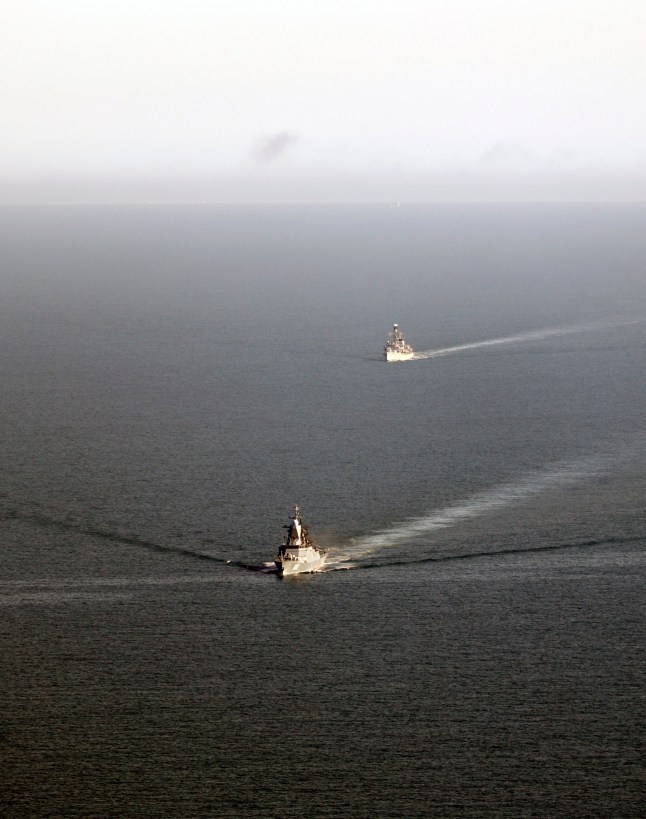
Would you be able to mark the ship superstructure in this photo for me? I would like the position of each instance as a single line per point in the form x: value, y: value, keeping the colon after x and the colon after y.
x: 298, y: 554
x: 396, y: 348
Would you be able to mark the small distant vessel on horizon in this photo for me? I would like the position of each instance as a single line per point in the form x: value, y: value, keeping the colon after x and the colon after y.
x: 298, y: 554
x: 396, y: 348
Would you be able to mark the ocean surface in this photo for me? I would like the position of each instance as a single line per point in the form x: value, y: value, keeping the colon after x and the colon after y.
x: 174, y: 379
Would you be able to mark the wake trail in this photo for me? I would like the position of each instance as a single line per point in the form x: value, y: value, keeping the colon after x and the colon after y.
x: 556, y: 547
x: 104, y: 534
x: 503, y: 496
x: 532, y: 335
x: 109, y: 582
x: 47, y: 592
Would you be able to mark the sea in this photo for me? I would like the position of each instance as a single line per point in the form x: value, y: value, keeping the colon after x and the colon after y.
x: 176, y: 378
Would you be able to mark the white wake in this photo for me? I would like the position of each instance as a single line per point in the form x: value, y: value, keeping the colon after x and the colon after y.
x: 532, y: 335
x: 499, y: 497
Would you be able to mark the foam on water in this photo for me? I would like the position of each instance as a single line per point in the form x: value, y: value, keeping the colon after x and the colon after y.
x: 499, y: 497
x: 46, y: 592
x: 533, y: 335
x: 45, y: 598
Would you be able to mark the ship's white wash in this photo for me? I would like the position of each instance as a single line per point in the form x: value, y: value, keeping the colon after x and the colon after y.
x: 396, y: 348
x: 298, y: 554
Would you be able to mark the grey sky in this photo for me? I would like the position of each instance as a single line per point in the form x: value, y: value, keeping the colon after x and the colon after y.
x: 290, y: 100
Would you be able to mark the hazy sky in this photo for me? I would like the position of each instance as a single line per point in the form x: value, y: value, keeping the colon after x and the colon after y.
x: 322, y: 100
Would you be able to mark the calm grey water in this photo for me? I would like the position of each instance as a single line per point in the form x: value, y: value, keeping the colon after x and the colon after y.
x: 174, y: 379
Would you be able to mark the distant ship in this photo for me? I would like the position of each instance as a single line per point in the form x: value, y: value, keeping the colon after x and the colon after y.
x: 298, y: 554
x: 396, y: 348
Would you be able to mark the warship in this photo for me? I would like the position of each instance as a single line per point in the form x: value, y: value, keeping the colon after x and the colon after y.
x: 298, y: 554
x: 396, y: 348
